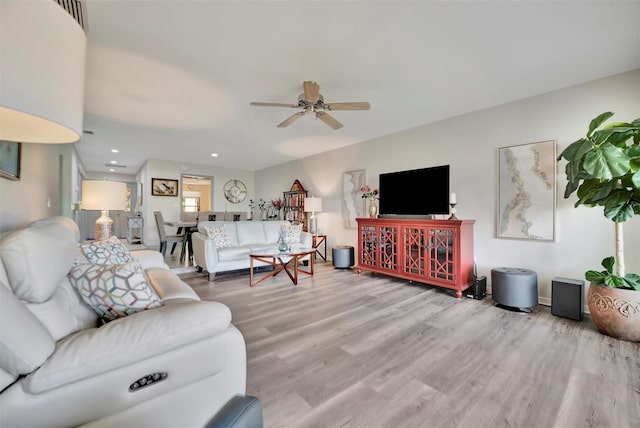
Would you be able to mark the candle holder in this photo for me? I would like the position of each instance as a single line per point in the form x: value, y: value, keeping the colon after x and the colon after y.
x: 453, y: 212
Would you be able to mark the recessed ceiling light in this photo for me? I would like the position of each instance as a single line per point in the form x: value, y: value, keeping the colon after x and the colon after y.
x: 214, y: 155
x: 112, y: 170
x: 113, y: 162
x: 115, y: 150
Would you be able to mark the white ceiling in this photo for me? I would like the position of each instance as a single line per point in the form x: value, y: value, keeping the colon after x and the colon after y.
x: 173, y: 79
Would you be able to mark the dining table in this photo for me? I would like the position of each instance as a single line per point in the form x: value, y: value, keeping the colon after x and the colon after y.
x: 186, y: 228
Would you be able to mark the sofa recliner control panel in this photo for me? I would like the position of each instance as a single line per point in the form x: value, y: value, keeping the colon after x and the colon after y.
x: 147, y: 380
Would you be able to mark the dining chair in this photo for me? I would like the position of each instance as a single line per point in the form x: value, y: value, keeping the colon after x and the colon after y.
x: 164, y: 238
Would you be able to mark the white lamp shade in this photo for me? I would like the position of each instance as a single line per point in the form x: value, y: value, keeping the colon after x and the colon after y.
x: 42, y: 65
x: 312, y: 204
x: 103, y: 195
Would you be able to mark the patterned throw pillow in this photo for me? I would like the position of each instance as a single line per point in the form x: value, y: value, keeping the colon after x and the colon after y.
x: 219, y: 234
x: 114, y: 291
x: 108, y: 252
x: 292, y: 233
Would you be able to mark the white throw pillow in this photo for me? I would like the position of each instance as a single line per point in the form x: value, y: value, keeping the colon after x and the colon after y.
x: 108, y: 252
x: 219, y: 234
x: 114, y: 291
x: 292, y: 233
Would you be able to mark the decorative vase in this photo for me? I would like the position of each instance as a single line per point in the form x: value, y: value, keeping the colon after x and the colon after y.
x: 282, y: 244
x: 615, y: 311
x: 373, y: 208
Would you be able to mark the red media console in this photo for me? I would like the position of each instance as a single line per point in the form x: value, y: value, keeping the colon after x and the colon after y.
x: 436, y: 252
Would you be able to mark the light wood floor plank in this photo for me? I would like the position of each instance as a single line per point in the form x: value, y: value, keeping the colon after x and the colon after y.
x: 347, y: 350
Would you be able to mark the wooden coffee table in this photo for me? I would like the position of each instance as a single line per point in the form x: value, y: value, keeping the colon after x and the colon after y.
x: 282, y: 261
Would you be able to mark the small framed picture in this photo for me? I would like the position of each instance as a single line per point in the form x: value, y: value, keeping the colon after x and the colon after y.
x: 164, y: 187
x: 10, y: 159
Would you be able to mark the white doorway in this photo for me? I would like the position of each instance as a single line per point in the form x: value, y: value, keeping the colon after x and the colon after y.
x: 197, y: 195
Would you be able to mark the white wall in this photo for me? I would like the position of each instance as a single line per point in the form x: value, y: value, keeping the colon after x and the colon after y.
x: 36, y: 194
x: 171, y: 206
x: 469, y: 143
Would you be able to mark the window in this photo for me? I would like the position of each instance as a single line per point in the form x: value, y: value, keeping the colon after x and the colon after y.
x: 190, y: 205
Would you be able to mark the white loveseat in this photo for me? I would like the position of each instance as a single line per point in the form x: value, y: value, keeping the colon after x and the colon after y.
x: 245, y: 237
x: 60, y: 367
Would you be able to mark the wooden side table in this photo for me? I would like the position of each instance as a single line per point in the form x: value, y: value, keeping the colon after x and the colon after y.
x: 320, y: 240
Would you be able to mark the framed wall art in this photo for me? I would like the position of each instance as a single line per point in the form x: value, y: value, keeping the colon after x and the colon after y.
x: 527, y: 191
x: 139, y: 196
x: 10, y: 159
x: 164, y: 187
x: 353, y: 206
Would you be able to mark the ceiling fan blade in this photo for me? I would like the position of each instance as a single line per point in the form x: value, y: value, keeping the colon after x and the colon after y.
x: 329, y: 120
x: 288, y: 121
x: 348, y: 106
x: 273, y: 105
x: 311, y: 91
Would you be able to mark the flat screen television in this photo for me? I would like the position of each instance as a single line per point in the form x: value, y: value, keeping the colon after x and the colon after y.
x: 416, y: 193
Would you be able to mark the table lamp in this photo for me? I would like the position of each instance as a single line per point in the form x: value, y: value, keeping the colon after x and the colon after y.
x: 313, y: 205
x: 103, y: 196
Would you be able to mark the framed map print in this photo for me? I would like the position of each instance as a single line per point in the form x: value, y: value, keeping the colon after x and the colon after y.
x: 527, y: 191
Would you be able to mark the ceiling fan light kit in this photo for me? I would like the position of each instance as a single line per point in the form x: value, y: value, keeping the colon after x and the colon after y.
x: 312, y: 102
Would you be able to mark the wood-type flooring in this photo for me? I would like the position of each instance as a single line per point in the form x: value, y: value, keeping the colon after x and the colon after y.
x: 348, y: 350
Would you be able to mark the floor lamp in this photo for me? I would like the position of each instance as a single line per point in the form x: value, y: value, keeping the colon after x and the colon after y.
x: 313, y: 205
x: 103, y: 196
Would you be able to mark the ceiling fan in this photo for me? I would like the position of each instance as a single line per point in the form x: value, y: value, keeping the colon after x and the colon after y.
x: 311, y: 101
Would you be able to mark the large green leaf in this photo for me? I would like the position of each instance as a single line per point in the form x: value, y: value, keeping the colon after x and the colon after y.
x: 632, y: 281
x: 572, y: 170
x: 595, y: 276
x: 608, y: 263
x: 633, y: 153
x: 595, y: 123
x: 617, y: 206
x: 605, y: 190
x: 570, y: 152
x: 606, y: 162
x: 635, y: 179
x: 594, y: 191
x: 614, y: 281
x: 616, y: 136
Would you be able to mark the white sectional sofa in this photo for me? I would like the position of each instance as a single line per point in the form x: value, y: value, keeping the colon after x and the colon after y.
x: 174, y: 365
x: 245, y: 237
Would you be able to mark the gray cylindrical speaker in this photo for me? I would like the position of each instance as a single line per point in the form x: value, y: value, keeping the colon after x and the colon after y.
x: 342, y: 256
x: 514, y: 287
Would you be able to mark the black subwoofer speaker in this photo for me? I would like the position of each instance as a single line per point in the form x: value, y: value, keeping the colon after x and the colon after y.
x: 567, y: 296
x: 478, y: 290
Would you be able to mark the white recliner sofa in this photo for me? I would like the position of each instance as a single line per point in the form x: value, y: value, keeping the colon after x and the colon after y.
x: 173, y: 365
x: 245, y: 237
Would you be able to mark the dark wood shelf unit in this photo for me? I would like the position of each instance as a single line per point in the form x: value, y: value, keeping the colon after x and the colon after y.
x: 435, y: 252
x: 293, y: 209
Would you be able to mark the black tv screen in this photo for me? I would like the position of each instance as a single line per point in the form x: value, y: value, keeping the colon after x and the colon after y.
x: 417, y: 192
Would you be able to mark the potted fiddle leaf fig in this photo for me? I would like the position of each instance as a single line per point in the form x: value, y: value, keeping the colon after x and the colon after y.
x: 603, y: 168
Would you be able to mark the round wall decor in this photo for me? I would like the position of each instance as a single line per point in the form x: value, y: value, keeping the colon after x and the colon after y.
x: 235, y: 191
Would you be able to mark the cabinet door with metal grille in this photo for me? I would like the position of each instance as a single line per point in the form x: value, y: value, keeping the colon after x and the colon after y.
x: 442, y: 257
x: 415, y: 250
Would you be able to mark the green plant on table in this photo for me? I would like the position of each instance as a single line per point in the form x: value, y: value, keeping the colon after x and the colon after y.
x: 604, y: 168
